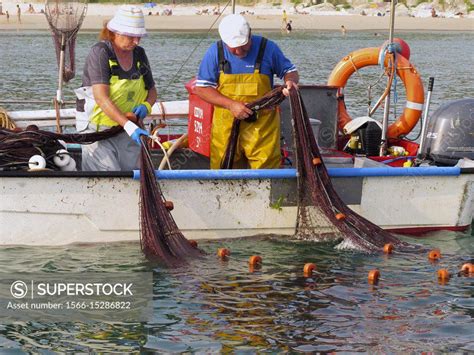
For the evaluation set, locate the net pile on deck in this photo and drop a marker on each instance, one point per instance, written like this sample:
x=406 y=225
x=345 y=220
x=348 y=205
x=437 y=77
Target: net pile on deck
x=322 y=215
x=160 y=237
x=17 y=147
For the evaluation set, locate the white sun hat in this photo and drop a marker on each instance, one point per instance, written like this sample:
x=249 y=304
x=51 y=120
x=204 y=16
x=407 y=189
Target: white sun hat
x=234 y=30
x=128 y=21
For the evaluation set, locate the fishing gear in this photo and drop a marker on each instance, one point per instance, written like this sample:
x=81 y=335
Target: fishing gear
x=322 y=215
x=64 y=17
x=267 y=102
x=17 y=148
x=160 y=237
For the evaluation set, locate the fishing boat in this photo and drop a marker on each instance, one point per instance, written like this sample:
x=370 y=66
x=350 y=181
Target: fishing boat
x=51 y=207
x=63 y=207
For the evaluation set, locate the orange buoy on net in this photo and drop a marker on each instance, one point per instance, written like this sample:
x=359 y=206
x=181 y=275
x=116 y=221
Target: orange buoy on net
x=169 y=205
x=467 y=269
x=316 y=161
x=434 y=255
x=308 y=269
x=443 y=275
x=388 y=248
x=373 y=276
x=223 y=253
x=340 y=216
x=193 y=243
x=255 y=260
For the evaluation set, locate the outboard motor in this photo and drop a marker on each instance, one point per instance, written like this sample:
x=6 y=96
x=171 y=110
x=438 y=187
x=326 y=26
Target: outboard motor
x=450 y=133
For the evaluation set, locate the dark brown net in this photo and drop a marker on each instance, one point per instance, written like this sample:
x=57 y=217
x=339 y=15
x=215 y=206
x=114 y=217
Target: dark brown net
x=16 y=148
x=65 y=18
x=160 y=237
x=322 y=215
x=267 y=102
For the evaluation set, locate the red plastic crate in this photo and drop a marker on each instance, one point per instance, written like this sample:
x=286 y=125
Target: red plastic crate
x=199 y=122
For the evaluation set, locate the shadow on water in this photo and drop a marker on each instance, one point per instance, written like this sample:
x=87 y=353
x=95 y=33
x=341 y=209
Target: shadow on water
x=213 y=305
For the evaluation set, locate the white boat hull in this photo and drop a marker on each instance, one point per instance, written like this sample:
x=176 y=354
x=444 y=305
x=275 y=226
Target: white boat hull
x=63 y=210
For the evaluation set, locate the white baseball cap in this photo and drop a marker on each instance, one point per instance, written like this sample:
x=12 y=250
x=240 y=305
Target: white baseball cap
x=128 y=21
x=234 y=30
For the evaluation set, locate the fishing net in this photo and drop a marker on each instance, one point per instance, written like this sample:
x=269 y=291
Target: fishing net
x=267 y=102
x=160 y=237
x=16 y=148
x=322 y=215
x=65 y=18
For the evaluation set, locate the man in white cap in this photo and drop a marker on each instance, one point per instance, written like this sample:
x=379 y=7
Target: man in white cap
x=237 y=70
x=117 y=79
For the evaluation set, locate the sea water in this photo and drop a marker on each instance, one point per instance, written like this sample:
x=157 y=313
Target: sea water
x=215 y=306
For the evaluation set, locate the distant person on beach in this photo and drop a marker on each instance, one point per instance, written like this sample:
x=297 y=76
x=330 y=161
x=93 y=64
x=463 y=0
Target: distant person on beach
x=8 y=16
x=237 y=70
x=18 y=13
x=433 y=12
x=284 y=19
x=31 y=9
x=289 y=28
x=117 y=75
x=343 y=30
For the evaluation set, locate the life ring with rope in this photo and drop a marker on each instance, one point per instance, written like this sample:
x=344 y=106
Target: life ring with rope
x=404 y=70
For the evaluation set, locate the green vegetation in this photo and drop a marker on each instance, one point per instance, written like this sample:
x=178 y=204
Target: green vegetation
x=277 y=204
x=470 y=5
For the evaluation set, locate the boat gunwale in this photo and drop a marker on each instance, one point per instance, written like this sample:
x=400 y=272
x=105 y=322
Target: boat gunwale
x=243 y=174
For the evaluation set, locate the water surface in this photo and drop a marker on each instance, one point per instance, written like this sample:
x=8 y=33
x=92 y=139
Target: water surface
x=213 y=306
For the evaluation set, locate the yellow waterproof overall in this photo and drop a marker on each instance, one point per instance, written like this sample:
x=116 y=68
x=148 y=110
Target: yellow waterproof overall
x=124 y=93
x=259 y=142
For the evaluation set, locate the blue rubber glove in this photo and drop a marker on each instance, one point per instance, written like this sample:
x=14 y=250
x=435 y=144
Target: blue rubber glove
x=135 y=132
x=140 y=111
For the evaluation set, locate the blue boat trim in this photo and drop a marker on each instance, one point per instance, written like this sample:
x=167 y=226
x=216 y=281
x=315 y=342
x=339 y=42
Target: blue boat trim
x=238 y=174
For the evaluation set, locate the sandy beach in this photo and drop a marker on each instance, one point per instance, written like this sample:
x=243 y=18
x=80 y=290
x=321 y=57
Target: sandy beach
x=261 y=17
x=261 y=22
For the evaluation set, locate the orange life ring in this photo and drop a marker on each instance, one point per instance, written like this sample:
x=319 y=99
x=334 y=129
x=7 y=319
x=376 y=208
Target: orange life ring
x=405 y=71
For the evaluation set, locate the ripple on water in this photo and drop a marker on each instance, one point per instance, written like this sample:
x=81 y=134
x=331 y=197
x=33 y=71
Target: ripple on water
x=215 y=306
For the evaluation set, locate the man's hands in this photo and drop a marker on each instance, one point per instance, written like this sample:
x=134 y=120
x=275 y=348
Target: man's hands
x=135 y=132
x=239 y=110
x=290 y=84
x=142 y=110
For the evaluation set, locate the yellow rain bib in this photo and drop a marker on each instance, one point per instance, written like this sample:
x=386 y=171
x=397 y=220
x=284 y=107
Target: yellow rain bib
x=258 y=145
x=124 y=93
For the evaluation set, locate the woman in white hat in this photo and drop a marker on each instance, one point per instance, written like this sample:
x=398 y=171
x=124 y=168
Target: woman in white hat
x=118 y=77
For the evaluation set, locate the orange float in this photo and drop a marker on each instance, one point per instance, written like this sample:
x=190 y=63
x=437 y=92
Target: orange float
x=316 y=161
x=374 y=276
x=443 y=275
x=340 y=216
x=388 y=248
x=434 y=255
x=223 y=253
x=255 y=260
x=308 y=269
x=406 y=72
x=193 y=243
x=468 y=269
x=169 y=205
